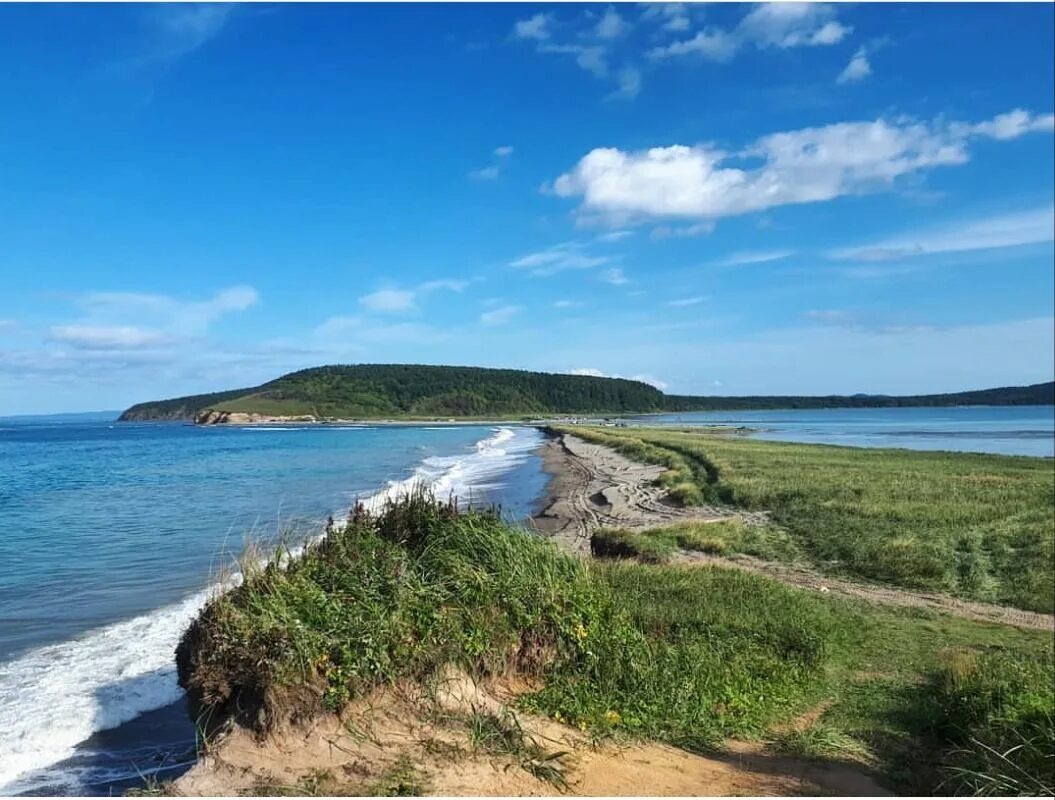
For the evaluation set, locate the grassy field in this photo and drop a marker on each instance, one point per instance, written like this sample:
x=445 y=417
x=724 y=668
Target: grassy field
x=680 y=654
x=976 y=526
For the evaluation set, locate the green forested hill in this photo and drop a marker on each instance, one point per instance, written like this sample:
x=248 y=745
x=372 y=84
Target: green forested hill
x=393 y=391
x=405 y=390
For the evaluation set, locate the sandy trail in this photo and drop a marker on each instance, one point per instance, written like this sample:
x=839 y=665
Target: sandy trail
x=594 y=486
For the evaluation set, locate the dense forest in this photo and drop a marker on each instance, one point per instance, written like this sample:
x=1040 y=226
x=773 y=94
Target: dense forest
x=373 y=391
x=403 y=390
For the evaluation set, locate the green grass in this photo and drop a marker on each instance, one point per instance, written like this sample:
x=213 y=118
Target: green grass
x=687 y=655
x=977 y=526
x=659 y=545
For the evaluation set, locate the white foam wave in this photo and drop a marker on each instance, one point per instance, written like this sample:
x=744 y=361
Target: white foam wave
x=55 y=697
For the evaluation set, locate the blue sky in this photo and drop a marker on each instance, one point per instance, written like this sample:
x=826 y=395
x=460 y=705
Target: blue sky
x=720 y=198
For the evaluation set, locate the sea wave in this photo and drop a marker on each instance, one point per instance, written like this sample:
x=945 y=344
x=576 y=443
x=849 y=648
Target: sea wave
x=55 y=697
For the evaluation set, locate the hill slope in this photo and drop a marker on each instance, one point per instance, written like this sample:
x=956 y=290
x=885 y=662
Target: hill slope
x=404 y=390
x=373 y=391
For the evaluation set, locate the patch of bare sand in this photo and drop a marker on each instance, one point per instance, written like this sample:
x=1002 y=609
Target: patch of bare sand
x=593 y=487
x=422 y=739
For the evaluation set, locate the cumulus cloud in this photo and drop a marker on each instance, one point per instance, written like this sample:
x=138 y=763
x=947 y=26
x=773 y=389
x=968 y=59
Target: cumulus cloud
x=593 y=372
x=858 y=69
x=1006 y=230
x=802 y=166
x=781 y=25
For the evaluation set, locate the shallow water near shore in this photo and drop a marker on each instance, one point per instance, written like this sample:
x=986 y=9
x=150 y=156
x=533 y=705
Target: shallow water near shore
x=114 y=535
x=1008 y=430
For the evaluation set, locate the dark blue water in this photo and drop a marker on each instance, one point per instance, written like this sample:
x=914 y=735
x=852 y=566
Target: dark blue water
x=1011 y=430
x=113 y=535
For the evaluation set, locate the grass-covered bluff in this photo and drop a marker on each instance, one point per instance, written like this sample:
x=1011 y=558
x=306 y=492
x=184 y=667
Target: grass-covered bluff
x=973 y=525
x=685 y=655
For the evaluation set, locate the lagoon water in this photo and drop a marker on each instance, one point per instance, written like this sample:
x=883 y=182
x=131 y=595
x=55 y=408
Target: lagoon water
x=113 y=535
x=1011 y=430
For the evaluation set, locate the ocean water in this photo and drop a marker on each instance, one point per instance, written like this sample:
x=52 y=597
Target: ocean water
x=114 y=535
x=1011 y=430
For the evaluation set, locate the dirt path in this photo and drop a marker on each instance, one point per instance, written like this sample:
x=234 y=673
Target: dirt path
x=593 y=487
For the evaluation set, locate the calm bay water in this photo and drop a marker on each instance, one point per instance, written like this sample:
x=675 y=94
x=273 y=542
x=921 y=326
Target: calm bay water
x=113 y=535
x=1012 y=430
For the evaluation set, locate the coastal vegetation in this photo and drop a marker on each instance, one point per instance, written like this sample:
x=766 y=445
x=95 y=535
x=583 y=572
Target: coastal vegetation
x=409 y=391
x=972 y=525
x=685 y=655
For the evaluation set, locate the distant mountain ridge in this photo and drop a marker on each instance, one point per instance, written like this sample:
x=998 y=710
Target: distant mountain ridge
x=407 y=391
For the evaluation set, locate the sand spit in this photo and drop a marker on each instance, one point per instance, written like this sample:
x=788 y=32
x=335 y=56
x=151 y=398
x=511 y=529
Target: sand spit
x=594 y=487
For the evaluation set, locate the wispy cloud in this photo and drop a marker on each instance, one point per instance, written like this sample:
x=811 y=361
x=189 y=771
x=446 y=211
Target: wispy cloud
x=392 y=299
x=558 y=258
x=687 y=301
x=500 y=157
x=1007 y=230
x=593 y=372
x=178 y=29
x=106 y=337
x=499 y=315
x=858 y=69
x=780 y=25
x=566 y=304
x=752 y=257
x=614 y=276
x=802 y=166
x=485 y=173
x=175 y=316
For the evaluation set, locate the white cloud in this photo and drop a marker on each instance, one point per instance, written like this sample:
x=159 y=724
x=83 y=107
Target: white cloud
x=858 y=68
x=485 y=174
x=673 y=17
x=1008 y=230
x=389 y=300
x=781 y=25
x=106 y=337
x=176 y=317
x=1014 y=124
x=564 y=304
x=682 y=231
x=450 y=284
x=611 y=25
x=614 y=236
x=752 y=257
x=629 y=80
x=504 y=151
x=593 y=60
x=593 y=372
x=184 y=27
x=801 y=166
x=499 y=315
x=558 y=258
x=615 y=277
x=687 y=301
x=536 y=27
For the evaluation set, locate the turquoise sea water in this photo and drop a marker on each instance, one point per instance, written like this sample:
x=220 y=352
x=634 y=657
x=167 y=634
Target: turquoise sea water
x=1012 y=430
x=113 y=534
